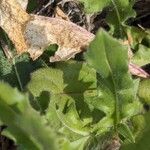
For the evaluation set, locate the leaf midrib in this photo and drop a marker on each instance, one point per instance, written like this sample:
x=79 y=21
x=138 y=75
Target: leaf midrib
x=115 y=89
x=118 y=17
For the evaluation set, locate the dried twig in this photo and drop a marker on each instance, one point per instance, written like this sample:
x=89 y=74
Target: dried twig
x=45 y=6
x=6 y=50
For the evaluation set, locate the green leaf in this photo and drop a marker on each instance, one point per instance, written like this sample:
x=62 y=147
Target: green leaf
x=44 y=100
x=79 y=144
x=45 y=80
x=69 y=84
x=143 y=91
x=146 y=40
x=132 y=109
x=142 y=56
x=21 y=65
x=116 y=87
x=138 y=123
x=24 y=124
x=143 y=141
x=126 y=132
x=92 y=6
x=32 y=5
x=121 y=11
x=135 y=35
x=75 y=145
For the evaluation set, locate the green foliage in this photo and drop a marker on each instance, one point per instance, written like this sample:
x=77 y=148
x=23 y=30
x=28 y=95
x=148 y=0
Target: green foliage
x=72 y=83
x=125 y=131
x=95 y=5
x=119 y=11
x=116 y=94
x=143 y=141
x=68 y=85
x=75 y=85
x=80 y=105
x=23 y=123
x=136 y=35
x=143 y=92
x=138 y=123
x=21 y=66
x=138 y=39
x=76 y=103
x=32 y=5
x=142 y=56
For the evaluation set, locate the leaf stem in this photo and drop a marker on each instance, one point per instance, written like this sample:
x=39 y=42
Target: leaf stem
x=118 y=17
x=17 y=74
x=14 y=63
x=43 y=63
x=117 y=115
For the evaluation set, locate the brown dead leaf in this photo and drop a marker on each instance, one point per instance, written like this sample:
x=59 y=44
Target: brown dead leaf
x=130 y=53
x=60 y=14
x=13 y=20
x=23 y=3
x=42 y=31
x=136 y=70
x=33 y=33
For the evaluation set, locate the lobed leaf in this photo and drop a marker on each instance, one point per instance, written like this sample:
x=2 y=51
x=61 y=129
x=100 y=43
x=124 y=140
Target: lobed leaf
x=69 y=85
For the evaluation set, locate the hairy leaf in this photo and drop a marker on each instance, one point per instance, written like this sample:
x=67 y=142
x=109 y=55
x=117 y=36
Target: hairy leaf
x=135 y=35
x=69 y=86
x=115 y=85
x=125 y=131
x=75 y=145
x=21 y=66
x=143 y=141
x=121 y=10
x=138 y=123
x=142 y=56
x=143 y=91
